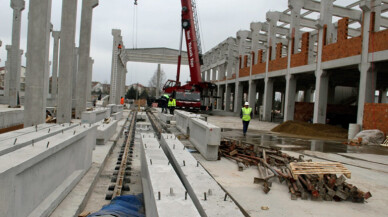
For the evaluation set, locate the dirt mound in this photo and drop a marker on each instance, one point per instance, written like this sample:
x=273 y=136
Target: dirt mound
x=313 y=130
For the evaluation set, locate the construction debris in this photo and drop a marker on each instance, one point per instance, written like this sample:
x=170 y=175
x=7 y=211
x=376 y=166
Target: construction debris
x=305 y=179
x=385 y=143
x=370 y=137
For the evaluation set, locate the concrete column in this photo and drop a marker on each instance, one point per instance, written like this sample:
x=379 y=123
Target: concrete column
x=252 y=94
x=208 y=72
x=307 y=95
x=158 y=82
x=38 y=44
x=272 y=18
x=114 y=79
x=15 y=61
x=84 y=55
x=238 y=97
x=321 y=93
x=7 y=71
x=367 y=76
x=220 y=100
x=66 y=60
x=74 y=77
x=384 y=98
x=290 y=98
x=230 y=57
x=295 y=6
x=89 y=80
x=227 y=97
x=214 y=74
x=123 y=80
x=268 y=98
x=203 y=75
x=54 y=76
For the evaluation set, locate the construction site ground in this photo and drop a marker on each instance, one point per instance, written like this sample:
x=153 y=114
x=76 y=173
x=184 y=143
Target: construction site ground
x=368 y=165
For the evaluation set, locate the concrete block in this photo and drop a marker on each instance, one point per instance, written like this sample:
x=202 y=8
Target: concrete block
x=182 y=120
x=110 y=107
x=198 y=181
x=117 y=108
x=21 y=140
x=117 y=115
x=105 y=132
x=35 y=179
x=94 y=116
x=166 y=118
x=160 y=179
x=141 y=116
x=205 y=137
x=11 y=117
x=23 y=131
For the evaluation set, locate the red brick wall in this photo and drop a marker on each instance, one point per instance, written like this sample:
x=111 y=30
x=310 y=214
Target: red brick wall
x=245 y=61
x=244 y=72
x=279 y=50
x=376 y=117
x=258 y=68
x=301 y=58
x=277 y=64
x=344 y=47
x=260 y=56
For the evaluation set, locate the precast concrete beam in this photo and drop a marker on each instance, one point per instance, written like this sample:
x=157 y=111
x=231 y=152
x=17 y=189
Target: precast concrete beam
x=84 y=55
x=95 y=116
x=182 y=119
x=205 y=137
x=105 y=131
x=205 y=192
x=15 y=140
x=23 y=173
x=66 y=60
x=164 y=193
x=38 y=43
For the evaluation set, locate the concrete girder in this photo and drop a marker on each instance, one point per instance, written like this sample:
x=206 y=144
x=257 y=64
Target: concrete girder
x=337 y=10
x=152 y=55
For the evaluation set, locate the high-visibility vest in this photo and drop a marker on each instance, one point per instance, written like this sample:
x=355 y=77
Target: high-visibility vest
x=122 y=101
x=246 y=114
x=166 y=95
x=171 y=103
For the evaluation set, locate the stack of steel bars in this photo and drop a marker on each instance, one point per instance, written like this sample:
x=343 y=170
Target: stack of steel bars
x=271 y=163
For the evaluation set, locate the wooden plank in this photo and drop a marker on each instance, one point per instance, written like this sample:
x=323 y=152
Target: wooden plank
x=318 y=168
x=84 y=214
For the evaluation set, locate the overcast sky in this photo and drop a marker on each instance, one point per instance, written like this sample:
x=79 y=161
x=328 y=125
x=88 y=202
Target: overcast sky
x=158 y=25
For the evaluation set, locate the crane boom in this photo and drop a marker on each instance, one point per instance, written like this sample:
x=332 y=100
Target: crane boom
x=190 y=26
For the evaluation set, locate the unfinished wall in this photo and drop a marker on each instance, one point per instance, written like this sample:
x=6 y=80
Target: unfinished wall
x=376 y=117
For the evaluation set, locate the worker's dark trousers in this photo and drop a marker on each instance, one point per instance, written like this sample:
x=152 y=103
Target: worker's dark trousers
x=171 y=110
x=245 y=126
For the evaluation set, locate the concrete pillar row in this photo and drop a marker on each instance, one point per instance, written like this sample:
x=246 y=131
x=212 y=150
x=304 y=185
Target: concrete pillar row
x=84 y=56
x=38 y=44
x=290 y=98
x=54 y=76
x=15 y=61
x=268 y=98
x=66 y=60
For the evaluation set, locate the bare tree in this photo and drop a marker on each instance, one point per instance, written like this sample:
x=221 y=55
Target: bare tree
x=153 y=81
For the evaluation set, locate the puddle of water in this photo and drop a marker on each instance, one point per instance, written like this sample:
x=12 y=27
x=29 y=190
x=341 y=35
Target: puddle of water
x=286 y=143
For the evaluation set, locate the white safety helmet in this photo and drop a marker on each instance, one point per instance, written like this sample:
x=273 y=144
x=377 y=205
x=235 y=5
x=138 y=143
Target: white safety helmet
x=246 y=103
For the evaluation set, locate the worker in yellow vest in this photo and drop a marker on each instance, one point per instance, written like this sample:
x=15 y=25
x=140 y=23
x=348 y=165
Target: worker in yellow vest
x=171 y=105
x=246 y=116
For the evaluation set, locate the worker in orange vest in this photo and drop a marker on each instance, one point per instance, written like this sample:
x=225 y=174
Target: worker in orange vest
x=122 y=101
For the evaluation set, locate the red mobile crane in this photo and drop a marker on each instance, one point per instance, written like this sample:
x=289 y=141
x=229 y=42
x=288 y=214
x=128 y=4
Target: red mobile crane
x=189 y=96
